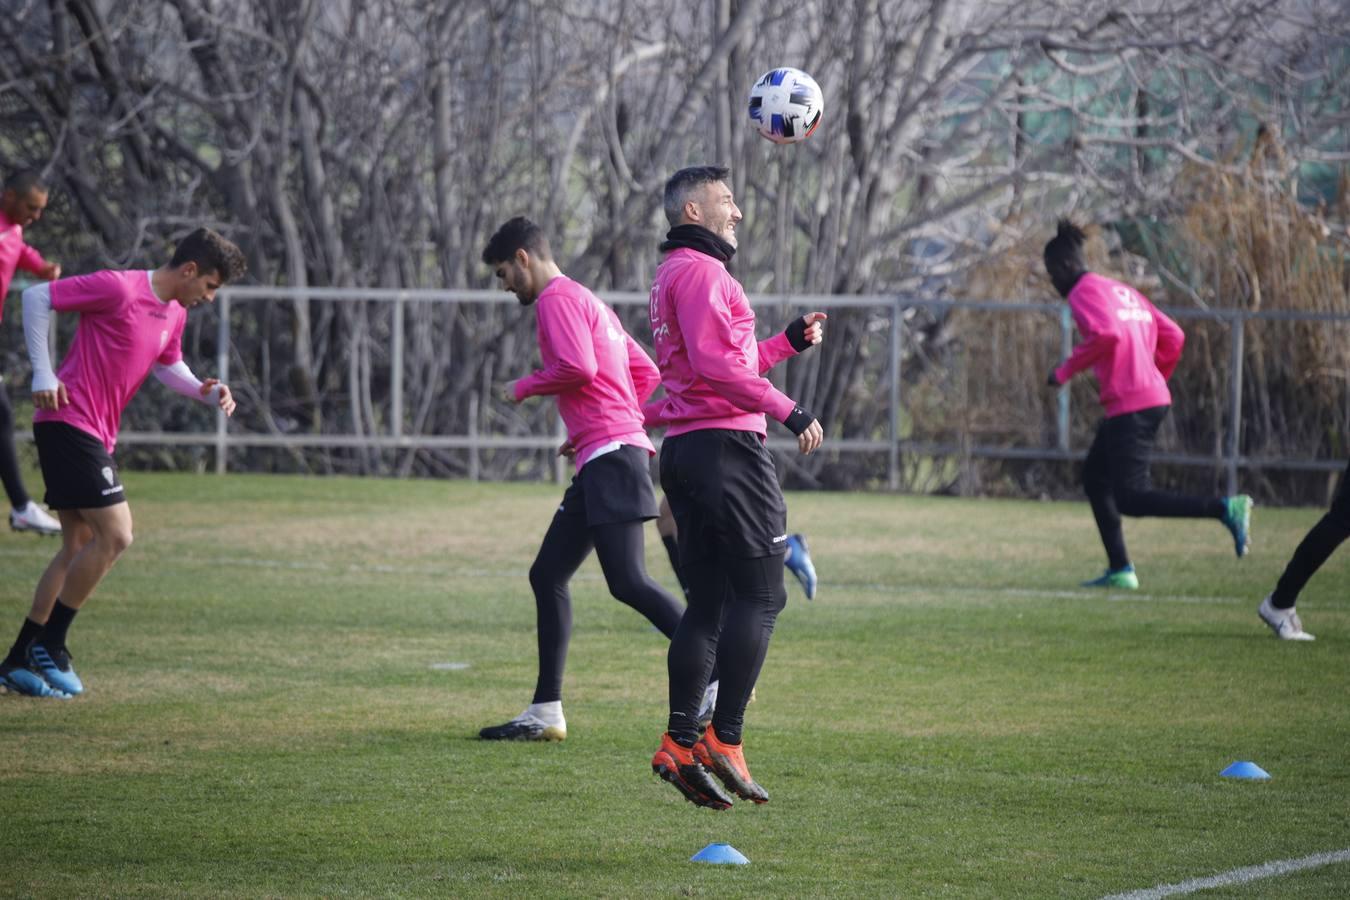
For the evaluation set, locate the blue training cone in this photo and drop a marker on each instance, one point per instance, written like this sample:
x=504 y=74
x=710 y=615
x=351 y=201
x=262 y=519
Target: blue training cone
x=1242 y=769
x=720 y=853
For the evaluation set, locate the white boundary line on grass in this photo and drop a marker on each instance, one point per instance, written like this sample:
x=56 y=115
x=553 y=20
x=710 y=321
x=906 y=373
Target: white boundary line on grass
x=1245 y=875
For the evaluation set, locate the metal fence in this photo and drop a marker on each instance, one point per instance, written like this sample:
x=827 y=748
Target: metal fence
x=1227 y=458
x=227 y=435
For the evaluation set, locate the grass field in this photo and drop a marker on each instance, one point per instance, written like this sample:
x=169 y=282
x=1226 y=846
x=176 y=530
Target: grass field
x=953 y=717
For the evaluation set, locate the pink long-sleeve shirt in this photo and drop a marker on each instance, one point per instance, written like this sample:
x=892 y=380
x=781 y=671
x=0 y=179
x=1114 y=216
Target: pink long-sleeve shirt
x=15 y=254
x=1130 y=345
x=711 y=364
x=123 y=332
x=596 y=370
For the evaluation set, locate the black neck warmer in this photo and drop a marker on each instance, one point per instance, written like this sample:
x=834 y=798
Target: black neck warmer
x=696 y=237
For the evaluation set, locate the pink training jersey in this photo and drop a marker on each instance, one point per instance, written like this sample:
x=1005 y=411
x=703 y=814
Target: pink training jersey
x=711 y=365
x=15 y=254
x=596 y=370
x=124 y=329
x=1131 y=346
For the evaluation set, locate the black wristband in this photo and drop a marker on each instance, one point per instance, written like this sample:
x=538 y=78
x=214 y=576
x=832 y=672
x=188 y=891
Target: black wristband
x=798 y=420
x=796 y=335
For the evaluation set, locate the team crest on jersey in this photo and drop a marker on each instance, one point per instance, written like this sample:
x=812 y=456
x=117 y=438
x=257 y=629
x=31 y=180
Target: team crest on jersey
x=108 y=474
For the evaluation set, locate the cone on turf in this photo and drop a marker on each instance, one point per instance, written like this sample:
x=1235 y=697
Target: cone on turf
x=720 y=853
x=1243 y=769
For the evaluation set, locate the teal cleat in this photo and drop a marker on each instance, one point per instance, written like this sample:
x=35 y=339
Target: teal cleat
x=1237 y=518
x=1119 y=579
x=55 y=668
x=798 y=562
x=17 y=680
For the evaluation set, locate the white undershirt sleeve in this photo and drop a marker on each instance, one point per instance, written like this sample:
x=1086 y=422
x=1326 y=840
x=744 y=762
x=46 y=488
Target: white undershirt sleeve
x=37 y=324
x=179 y=379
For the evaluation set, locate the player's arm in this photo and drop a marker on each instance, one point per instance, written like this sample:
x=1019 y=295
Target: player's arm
x=178 y=378
x=1097 y=341
x=48 y=392
x=565 y=328
x=646 y=376
x=30 y=260
x=1171 y=339
x=801 y=335
x=705 y=321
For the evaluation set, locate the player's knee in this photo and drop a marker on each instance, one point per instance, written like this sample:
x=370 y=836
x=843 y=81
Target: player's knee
x=116 y=541
x=542 y=576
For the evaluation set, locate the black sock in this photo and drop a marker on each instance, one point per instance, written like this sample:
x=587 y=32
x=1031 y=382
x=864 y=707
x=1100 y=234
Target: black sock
x=673 y=551
x=53 y=635
x=18 y=654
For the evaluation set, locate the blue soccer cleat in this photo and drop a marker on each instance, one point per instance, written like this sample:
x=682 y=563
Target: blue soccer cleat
x=1122 y=579
x=1237 y=518
x=55 y=668
x=798 y=562
x=17 y=680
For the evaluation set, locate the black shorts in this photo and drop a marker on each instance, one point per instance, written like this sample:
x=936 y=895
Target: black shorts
x=612 y=487
x=723 y=491
x=78 y=470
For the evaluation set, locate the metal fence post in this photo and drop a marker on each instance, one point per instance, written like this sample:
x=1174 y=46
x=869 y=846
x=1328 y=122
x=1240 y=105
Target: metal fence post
x=396 y=376
x=223 y=373
x=1232 y=444
x=893 y=461
x=1062 y=398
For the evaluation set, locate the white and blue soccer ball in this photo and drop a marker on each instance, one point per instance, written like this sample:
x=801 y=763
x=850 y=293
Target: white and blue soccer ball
x=786 y=105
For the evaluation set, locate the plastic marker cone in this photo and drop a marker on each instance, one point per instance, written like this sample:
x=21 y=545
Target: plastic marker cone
x=720 y=853
x=1245 y=770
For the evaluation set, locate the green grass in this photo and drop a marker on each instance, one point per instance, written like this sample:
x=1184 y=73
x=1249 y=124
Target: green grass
x=952 y=717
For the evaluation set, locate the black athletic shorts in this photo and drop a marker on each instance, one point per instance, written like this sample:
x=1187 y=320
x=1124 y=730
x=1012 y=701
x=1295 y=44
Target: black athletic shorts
x=723 y=491
x=79 y=471
x=612 y=487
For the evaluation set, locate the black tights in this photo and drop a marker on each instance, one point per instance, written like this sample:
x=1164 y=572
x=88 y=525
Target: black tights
x=619 y=548
x=1328 y=534
x=9 y=457
x=1115 y=477
x=733 y=605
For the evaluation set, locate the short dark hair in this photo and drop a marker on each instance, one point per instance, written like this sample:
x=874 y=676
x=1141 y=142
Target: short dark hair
x=516 y=234
x=685 y=182
x=212 y=252
x=25 y=180
x=1064 y=251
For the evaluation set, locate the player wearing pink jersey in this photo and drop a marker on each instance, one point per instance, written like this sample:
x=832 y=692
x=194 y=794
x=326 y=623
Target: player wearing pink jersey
x=720 y=480
x=130 y=326
x=1132 y=348
x=21 y=204
x=599 y=376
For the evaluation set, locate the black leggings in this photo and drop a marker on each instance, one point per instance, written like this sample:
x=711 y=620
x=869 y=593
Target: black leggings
x=1328 y=534
x=733 y=605
x=9 y=457
x=1115 y=478
x=619 y=548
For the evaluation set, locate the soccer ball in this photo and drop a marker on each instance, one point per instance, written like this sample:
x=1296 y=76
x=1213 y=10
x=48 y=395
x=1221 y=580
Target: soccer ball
x=786 y=105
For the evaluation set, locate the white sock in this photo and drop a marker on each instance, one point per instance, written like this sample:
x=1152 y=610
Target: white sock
x=549 y=713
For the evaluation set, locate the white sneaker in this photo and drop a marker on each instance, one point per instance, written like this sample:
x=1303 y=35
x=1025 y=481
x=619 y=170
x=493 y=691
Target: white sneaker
x=525 y=727
x=1284 y=622
x=33 y=518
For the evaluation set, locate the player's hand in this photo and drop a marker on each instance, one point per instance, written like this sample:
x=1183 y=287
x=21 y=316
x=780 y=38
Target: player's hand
x=567 y=450
x=54 y=399
x=50 y=272
x=810 y=439
x=1052 y=380
x=815 y=330
x=507 y=391
x=226 y=399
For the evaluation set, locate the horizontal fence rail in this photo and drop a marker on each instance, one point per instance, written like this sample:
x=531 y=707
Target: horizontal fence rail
x=227 y=436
